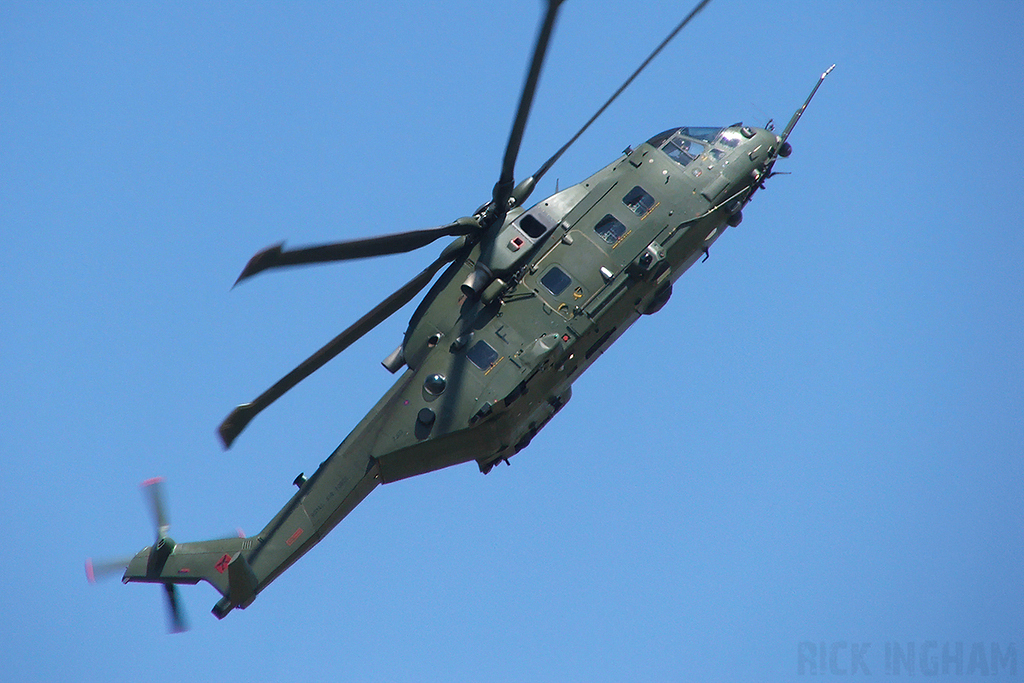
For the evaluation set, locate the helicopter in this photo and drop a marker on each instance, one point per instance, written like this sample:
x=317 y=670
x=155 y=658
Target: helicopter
x=527 y=299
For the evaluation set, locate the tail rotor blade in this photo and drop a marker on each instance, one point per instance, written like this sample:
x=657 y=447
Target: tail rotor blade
x=162 y=549
x=175 y=612
x=154 y=489
x=243 y=414
x=97 y=571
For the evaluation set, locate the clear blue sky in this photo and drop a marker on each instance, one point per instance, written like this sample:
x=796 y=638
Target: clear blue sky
x=818 y=440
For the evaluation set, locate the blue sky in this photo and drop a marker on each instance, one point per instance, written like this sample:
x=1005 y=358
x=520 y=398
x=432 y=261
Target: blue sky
x=818 y=440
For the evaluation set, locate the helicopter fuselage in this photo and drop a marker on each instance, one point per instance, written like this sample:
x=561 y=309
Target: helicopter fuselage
x=527 y=301
x=487 y=368
x=561 y=281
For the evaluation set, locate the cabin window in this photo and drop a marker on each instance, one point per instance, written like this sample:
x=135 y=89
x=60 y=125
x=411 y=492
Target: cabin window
x=482 y=355
x=610 y=229
x=639 y=201
x=555 y=280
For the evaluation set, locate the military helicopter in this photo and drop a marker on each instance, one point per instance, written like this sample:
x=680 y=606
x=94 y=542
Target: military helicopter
x=529 y=298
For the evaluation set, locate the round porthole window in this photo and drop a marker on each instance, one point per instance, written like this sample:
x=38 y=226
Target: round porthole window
x=435 y=385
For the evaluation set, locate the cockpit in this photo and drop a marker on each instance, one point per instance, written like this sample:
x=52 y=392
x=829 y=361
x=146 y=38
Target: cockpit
x=683 y=145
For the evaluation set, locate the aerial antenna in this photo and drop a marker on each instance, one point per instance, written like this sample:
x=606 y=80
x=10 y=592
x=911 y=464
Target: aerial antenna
x=800 y=111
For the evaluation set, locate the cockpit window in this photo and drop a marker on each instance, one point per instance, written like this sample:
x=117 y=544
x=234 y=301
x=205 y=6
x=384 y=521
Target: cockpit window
x=639 y=201
x=675 y=152
x=696 y=132
x=660 y=138
x=693 y=148
x=705 y=134
x=729 y=138
x=683 y=145
x=610 y=229
x=683 y=150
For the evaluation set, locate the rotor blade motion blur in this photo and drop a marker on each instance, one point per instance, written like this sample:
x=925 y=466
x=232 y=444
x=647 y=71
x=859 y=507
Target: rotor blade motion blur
x=154 y=489
x=243 y=414
x=154 y=557
x=178 y=623
x=382 y=245
x=503 y=188
x=95 y=571
x=679 y=27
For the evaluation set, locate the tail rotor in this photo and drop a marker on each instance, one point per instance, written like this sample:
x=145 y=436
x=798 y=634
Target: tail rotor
x=153 y=489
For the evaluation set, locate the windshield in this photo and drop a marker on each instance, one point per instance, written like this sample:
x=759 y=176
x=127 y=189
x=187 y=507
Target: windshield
x=683 y=150
x=695 y=132
x=705 y=134
x=730 y=138
x=684 y=145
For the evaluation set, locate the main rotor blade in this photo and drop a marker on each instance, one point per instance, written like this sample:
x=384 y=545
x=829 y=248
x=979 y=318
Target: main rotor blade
x=679 y=27
x=503 y=188
x=382 y=245
x=243 y=414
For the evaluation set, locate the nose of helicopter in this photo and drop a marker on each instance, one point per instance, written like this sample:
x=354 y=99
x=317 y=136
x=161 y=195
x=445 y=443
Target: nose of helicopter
x=760 y=147
x=749 y=154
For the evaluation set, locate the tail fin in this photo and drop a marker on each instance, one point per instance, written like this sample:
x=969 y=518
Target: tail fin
x=221 y=563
